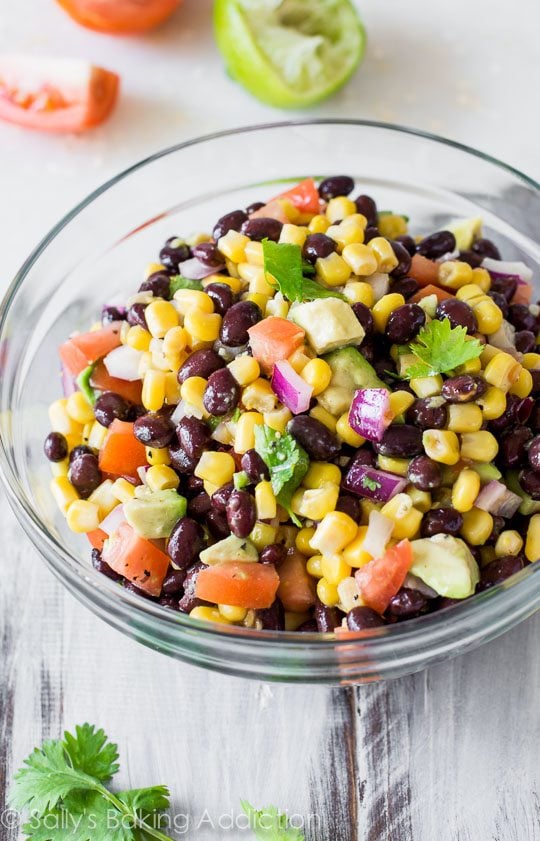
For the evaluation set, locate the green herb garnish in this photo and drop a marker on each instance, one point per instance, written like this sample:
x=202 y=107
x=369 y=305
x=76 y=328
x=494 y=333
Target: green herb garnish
x=240 y=480
x=370 y=484
x=236 y=415
x=178 y=282
x=284 y=262
x=441 y=348
x=287 y=462
x=270 y=825
x=83 y=383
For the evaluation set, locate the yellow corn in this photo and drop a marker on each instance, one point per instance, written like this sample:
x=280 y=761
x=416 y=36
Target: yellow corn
x=193 y=299
x=299 y=359
x=470 y=293
x=244 y=438
x=233 y=245
x=202 y=326
x=124 y=330
x=172 y=387
x=277 y=306
x=317 y=373
x=420 y=499
x=347 y=433
x=479 y=446
x=262 y=535
x=320 y=473
x=405 y=517
x=333 y=533
x=333 y=269
x=400 y=401
x=160 y=317
x=87 y=429
x=334 y=568
x=531 y=361
x=354 y=553
x=97 y=436
x=319 y=224
x=454 y=274
x=153 y=390
x=339 y=208
x=488 y=352
x=257 y=298
x=259 y=281
x=277 y=419
x=138 y=338
x=314 y=566
x=477 y=526
x=303 y=543
x=384 y=307
x=104 y=497
x=157 y=456
x=482 y=278
x=327 y=592
x=60 y=468
x=442 y=445
x=360 y=259
x=465 y=417
x=488 y=315
x=258 y=395
x=532 y=544
x=63 y=492
x=391 y=225
x=175 y=341
x=472 y=366
x=231 y=613
x=123 y=490
x=232 y=282
x=393 y=465
x=265 y=501
x=245 y=370
x=60 y=420
x=359 y=292
x=294 y=620
x=160 y=477
x=156 y=267
x=492 y=403
x=208 y=614
x=427 y=386
x=253 y=252
x=465 y=490
x=82 y=516
x=192 y=391
x=349 y=232
x=384 y=254
x=293 y=234
x=324 y=417
x=315 y=504
x=79 y=409
x=509 y=542
x=217 y=468
x=523 y=385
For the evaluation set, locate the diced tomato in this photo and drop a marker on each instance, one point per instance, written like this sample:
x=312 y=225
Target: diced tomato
x=272 y=210
x=424 y=271
x=425 y=291
x=523 y=294
x=137 y=559
x=381 y=579
x=55 y=94
x=81 y=350
x=121 y=453
x=304 y=196
x=119 y=17
x=296 y=586
x=238 y=583
x=274 y=339
x=97 y=538
x=102 y=380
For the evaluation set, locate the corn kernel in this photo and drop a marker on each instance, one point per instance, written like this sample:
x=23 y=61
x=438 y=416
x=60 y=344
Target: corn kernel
x=454 y=274
x=293 y=234
x=320 y=473
x=420 y=499
x=324 y=417
x=523 y=385
x=103 y=496
x=60 y=468
x=488 y=315
x=202 y=326
x=349 y=595
x=254 y=253
x=314 y=566
x=384 y=254
x=259 y=281
x=470 y=293
x=333 y=533
x=400 y=401
x=384 y=307
x=277 y=306
x=277 y=419
x=153 y=390
x=175 y=341
x=532 y=544
x=97 y=436
x=152 y=268
x=479 y=446
x=334 y=568
x=160 y=477
x=502 y=371
x=359 y=292
x=265 y=501
x=138 y=338
x=347 y=233
x=315 y=504
x=244 y=438
x=531 y=361
x=339 y=208
x=333 y=269
x=60 y=420
x=319 y=224
x=303 y=543
x=82 y=516
x=327 y=592
x=63 y=492
x=391 y=225
x=123 y=490
x=192 y=391
x=299 y=359
x=465 y=490
x=427 y=386
x=347 y=433
x=488 y=352
x=232 y=613
x=482 y=278
x=287 y=536
x=442 y=445
x=262 y=534
x=354 y=553
x=317 y=373
x=492 y=403
x=258 y=395
x=233 y=246
x=405 y=517
x=79 y=409
x=465 y=417
x=215 y=467
x=233 y=283
x=160 y=317
x=509 y=542
x=208 y=614
x=472 y=366
x=294 y=620
x=399 y=466
x=245 y=370
x=477 y=526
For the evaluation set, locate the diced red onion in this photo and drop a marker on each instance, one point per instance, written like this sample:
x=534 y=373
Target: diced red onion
x=507 y=268
x=195 y=269
x=69 y=385
x=290 y=388
x=378 y=534
x=370 y=414
x=123 y=363
x=371 y=483
x=495 y=498
x=412 y=582
x=113 y=520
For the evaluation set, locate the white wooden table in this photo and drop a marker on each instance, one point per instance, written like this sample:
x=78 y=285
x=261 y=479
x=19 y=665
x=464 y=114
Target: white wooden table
x=451 y=754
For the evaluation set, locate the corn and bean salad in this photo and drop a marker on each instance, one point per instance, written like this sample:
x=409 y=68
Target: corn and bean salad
x=308 y=420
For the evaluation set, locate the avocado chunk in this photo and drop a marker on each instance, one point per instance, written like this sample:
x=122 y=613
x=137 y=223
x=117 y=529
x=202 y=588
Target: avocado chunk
x=329 y=323
x=232 y=548
x=155 y=515
x=350 y=371
x=445 y=564
x=465 y=231
x=487 y=472
x=529 y=505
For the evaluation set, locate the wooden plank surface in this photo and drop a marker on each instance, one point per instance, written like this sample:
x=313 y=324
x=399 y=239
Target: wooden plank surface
x=450 y=754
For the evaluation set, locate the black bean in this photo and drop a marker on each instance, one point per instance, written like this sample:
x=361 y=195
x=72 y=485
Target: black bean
x=103 y=567
x=262 y=227
x=407 y=603
x=170 y=602
x=474 y=260
x=84 y=474
x=525 y=341
x=318 y=246
x=515 y=413
x=201 y=363
x=236 y=323
x=364 y=316
x=81 y=450
x=55 y=446
x=424 y=473
x=222 y=393
x=307 y=627
x=404 y=259
x=367 y=207
x=505 y=286
x=501 y=302
x=499 y=524
x=336 y=185
x=110 y=406
x=136 y=316
x=533 y=453
x=437 y=244
x=189 y=600
x=404 y=323
x=486 y=248
x=521 y=317
x=207 y=253
x=314 y=437
x=221 y=295
x=370 y=233
x=110 y=314
x=220 y=497
x=513 y=446
x=199 y=505
x=272 y=618
x=241 y=513
x=428 y=413
x=154 y=430
x=499 y=570
x=364 y=618
x=441 y=521
x=364 y=455
x=458 y=313
x=463 y=388
x=530 y=482
x=180 y=461
x=405 y=286
x=273 y=554
x=185 y=542
x=193 y=436
x=174 y=251
x=327 y=618
x=400 y=440
x=232 y=221
x=253 y=207
x=350 y=506
x=408 y=242
x=173 y=582
x=254 y=467
x=131 y=587
x=217 y=524
x=159 y=284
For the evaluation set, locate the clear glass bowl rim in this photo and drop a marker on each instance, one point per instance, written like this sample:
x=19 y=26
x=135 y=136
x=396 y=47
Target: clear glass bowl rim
x=493 y=608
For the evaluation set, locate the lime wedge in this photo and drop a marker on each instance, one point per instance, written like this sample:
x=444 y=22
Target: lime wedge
x=289 y=53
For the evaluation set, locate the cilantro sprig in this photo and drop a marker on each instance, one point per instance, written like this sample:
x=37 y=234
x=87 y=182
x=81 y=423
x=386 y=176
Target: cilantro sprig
x=284 y=262
x=286 y=461
x=269 y=824
x=178 y=282
x=441 y=348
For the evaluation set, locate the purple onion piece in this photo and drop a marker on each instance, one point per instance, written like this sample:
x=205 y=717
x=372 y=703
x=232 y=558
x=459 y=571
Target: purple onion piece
x=372 y=483
x=290 y=388
x=195 y=269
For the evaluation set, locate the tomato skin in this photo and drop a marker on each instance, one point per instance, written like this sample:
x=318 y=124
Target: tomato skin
x=128 y=389
x=430 y=289
x=238 y=583
x=296 y=586
x=121 y=453
x=424 y=271
x=83 y=349
x=523 y=294
x=304 y=196
x=57 y=95
x=381 y=579
x=137 y=559
x=119 y=17
x=97 y=538
x=273 y=210
x=274 y=339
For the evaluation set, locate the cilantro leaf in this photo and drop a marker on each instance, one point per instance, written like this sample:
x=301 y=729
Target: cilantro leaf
x=370 y=484
x=441 y=348
x=270 y=825
x=91 y=752
x=286 y=460
x=284 y=262
x=178 y=282
x=96 y=820
x=240 y=480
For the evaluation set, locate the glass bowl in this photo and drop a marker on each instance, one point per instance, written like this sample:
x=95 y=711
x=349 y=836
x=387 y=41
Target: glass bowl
x=101 y=248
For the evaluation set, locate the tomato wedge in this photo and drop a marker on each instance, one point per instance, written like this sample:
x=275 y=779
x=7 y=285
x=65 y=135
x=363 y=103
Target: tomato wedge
x=121 y=453
x=304 y=196
x=424 y=271
x=102 y=380
x=55 y=94
x=119 y=17
x=296 y=588
x=274 y=339
x=137 y=559
x=238 y=583
x=379 y=580
x=84 y=348
x=426 y=291
x=97 y=538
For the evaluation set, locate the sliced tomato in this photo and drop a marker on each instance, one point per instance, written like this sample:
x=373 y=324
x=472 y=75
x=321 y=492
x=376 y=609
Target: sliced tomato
x=296 y=586
x=83 y=349
x=121 y=453
x=523 y=294
x=304 y=196
x=102 y=380
x=55 y=94
x=119 y=17
x=426 y=291
x=97 y=538
x=381 y=579
x=424 y=271
x=137 y=559
x=273 y=210
x=238 y=583
x=274 y=339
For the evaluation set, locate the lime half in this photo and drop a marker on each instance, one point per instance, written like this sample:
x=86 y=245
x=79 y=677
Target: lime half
x=289 y=53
